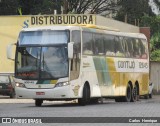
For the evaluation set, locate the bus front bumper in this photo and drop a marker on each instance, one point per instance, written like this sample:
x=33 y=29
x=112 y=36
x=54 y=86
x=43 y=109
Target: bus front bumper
x=53 y=93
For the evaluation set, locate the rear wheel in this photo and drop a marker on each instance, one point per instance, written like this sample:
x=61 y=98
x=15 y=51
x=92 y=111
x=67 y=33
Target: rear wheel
x=85 y=96
x=38 y=102
x=127 y=98
x=134 y=94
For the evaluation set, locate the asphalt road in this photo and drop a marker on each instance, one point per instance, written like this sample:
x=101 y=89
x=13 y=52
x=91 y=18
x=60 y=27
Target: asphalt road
x=109 y=108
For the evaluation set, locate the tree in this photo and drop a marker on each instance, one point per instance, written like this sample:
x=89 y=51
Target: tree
x=40 y=6
x=154 y=24
x=90 y=6
x=8 y=7
x=157 y=2
x=131 y=11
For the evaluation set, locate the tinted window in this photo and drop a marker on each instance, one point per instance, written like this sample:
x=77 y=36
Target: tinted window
x=98 y=44
x=4 y=79
x=76 y=38
x=119 y=47
x=129 y=46
x=144 y=48
x=87 y=43
x=109 y=45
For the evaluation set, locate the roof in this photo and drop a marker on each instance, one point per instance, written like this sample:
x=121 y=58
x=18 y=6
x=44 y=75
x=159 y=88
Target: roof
x=93 y=28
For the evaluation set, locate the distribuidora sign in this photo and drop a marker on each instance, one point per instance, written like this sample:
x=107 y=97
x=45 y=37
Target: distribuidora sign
x=33 y=21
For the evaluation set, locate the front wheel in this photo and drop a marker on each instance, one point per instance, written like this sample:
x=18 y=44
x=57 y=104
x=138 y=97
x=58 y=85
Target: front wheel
x=38 y=102
x=85 y=96
x=150 y=95
x=146 y=96
x=12 y=95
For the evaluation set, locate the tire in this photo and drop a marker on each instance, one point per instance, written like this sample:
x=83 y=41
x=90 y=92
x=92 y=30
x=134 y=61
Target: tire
x=85 y=96
x=150 y=95
x=127 y=98
x=146 y=96
x=12 y=95
x=134 y=94
x=38 y=102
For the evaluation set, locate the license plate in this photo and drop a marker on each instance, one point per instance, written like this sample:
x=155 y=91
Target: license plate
x=40 y=93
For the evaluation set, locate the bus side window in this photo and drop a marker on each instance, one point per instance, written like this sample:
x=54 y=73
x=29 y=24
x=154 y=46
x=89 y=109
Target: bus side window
x=76 y=38
x=136 y=48
x=98 y=44
x=75 y=62
x=127 y=53
x=87 y=43
x=144 y=48
x=129 y=46
x=109 y=45
x=119 y=47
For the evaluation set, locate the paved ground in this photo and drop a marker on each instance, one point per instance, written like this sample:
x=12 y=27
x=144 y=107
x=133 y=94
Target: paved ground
x=109 y=108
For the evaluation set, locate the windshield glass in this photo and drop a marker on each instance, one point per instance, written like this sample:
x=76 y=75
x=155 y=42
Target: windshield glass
x=48 y=62
x=54 y=62
x=4 y=79
x=43 y=37
x=28 y=62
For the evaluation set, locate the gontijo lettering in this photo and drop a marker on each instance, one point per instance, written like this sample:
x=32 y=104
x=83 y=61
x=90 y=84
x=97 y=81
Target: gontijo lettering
x=62 y=19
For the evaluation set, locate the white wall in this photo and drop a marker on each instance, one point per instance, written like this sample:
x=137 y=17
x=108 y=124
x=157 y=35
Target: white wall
x=124 y=27
x=155 y=75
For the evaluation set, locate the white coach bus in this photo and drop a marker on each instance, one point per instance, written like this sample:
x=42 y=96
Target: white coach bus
x=80 y=62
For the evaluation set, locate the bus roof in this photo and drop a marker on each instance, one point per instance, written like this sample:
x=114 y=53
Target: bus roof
x=55 y=27
x=90 y=28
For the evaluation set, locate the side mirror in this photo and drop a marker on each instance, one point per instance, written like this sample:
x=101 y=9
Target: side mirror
x=9 y=51
x=70 y=50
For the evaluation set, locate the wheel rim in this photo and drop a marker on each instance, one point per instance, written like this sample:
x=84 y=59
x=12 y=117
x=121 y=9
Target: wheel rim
x=134 y=93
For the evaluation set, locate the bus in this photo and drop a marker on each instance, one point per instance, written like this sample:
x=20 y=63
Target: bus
x=80 y=62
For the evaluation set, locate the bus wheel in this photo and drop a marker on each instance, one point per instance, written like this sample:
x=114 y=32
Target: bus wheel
x=38 y=102
x=134 y=94
x=146 y=96
x=85 y=96
x=150 y=95
x=127 y=98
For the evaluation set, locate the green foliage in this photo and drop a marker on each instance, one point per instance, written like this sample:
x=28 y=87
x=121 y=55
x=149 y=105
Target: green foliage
x=133 y=10
x=29 y=7
x=155 y=55
x=8 y=7
x=154 y=24
x=155 y=41
x=35 y=7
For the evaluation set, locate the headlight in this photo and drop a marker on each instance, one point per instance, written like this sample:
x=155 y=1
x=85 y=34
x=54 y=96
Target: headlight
x=20 y=85
x=60 y=84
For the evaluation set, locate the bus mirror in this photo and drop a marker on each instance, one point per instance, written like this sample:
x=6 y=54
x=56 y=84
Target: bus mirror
x=9 y=51
x=70 y=50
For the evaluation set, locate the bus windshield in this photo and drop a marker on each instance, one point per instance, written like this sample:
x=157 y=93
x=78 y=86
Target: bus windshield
x=43 y=37
x=48 y=62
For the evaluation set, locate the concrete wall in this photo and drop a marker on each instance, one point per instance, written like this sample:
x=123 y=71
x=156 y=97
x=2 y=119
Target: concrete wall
x=155 y=75
x=124 y=27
